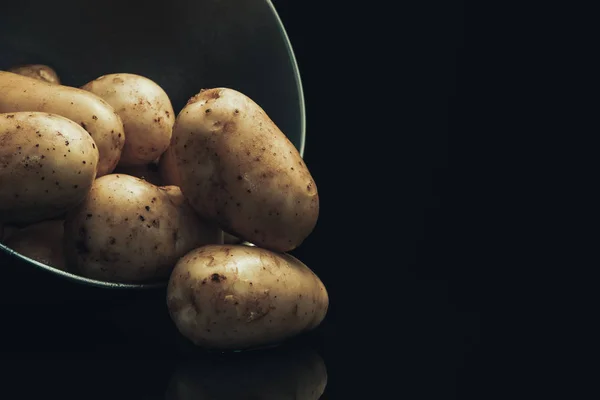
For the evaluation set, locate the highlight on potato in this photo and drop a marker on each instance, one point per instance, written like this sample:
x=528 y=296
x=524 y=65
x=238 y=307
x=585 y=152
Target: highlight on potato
x=108 y=183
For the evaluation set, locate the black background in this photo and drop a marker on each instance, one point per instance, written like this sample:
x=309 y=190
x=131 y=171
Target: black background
x=396 y=242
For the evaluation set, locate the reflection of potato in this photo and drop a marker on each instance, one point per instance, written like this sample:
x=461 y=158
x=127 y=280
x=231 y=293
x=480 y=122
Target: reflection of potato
x=276 y=374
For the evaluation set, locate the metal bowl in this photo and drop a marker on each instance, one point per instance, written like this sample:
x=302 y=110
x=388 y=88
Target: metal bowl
x=184 y=46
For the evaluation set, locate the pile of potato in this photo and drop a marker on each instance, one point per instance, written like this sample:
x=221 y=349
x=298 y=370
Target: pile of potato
x=107 y=182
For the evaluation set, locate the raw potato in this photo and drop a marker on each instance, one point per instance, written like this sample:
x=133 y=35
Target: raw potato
x=128 y=230
x=282 y=374
x=145 y=110
x=193 y=231
x=8 y=231
x=238 y=169
x=37 y=71
x=20 y=93
x=42 y=242
x=238 y=297
x=148 y=172
x=47 y=166
x=167 y=168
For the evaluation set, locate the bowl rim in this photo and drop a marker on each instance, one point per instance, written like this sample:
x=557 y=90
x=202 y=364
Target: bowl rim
x=297 y=77
x=116 y=285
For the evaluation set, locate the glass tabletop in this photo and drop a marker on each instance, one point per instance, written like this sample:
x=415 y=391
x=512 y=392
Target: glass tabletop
x=123 y=352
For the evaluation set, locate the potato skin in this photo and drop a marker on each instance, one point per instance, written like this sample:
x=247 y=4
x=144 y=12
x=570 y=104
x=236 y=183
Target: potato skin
x=145 y=110
x=42 y=242
x=128 y=230
x=167 y=168
x=40 y=72
x=147 y=172
x=238 y=168
x=238 y=297
x=193 y=230
x=47 y=166
x=6 y=231
x=282 y=374
x=20 y=93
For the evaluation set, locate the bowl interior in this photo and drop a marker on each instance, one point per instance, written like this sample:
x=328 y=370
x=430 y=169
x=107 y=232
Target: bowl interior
x=184 y=46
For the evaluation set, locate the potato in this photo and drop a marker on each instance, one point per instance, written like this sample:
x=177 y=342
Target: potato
x=20 y=93
x=128 y=230
x=282 y=374
x=238 y=169
x=167 y=168
x=47 y=166
x=238 y=297
x=37 y=71
x=147 y=172
x=145 y=110
x=6 y=231
x=42 y=242
x=192 y=229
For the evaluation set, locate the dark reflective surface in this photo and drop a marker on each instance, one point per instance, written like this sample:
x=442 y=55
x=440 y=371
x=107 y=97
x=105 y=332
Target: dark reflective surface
x=285 y=373
x=294 y=371
x=421 y=345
